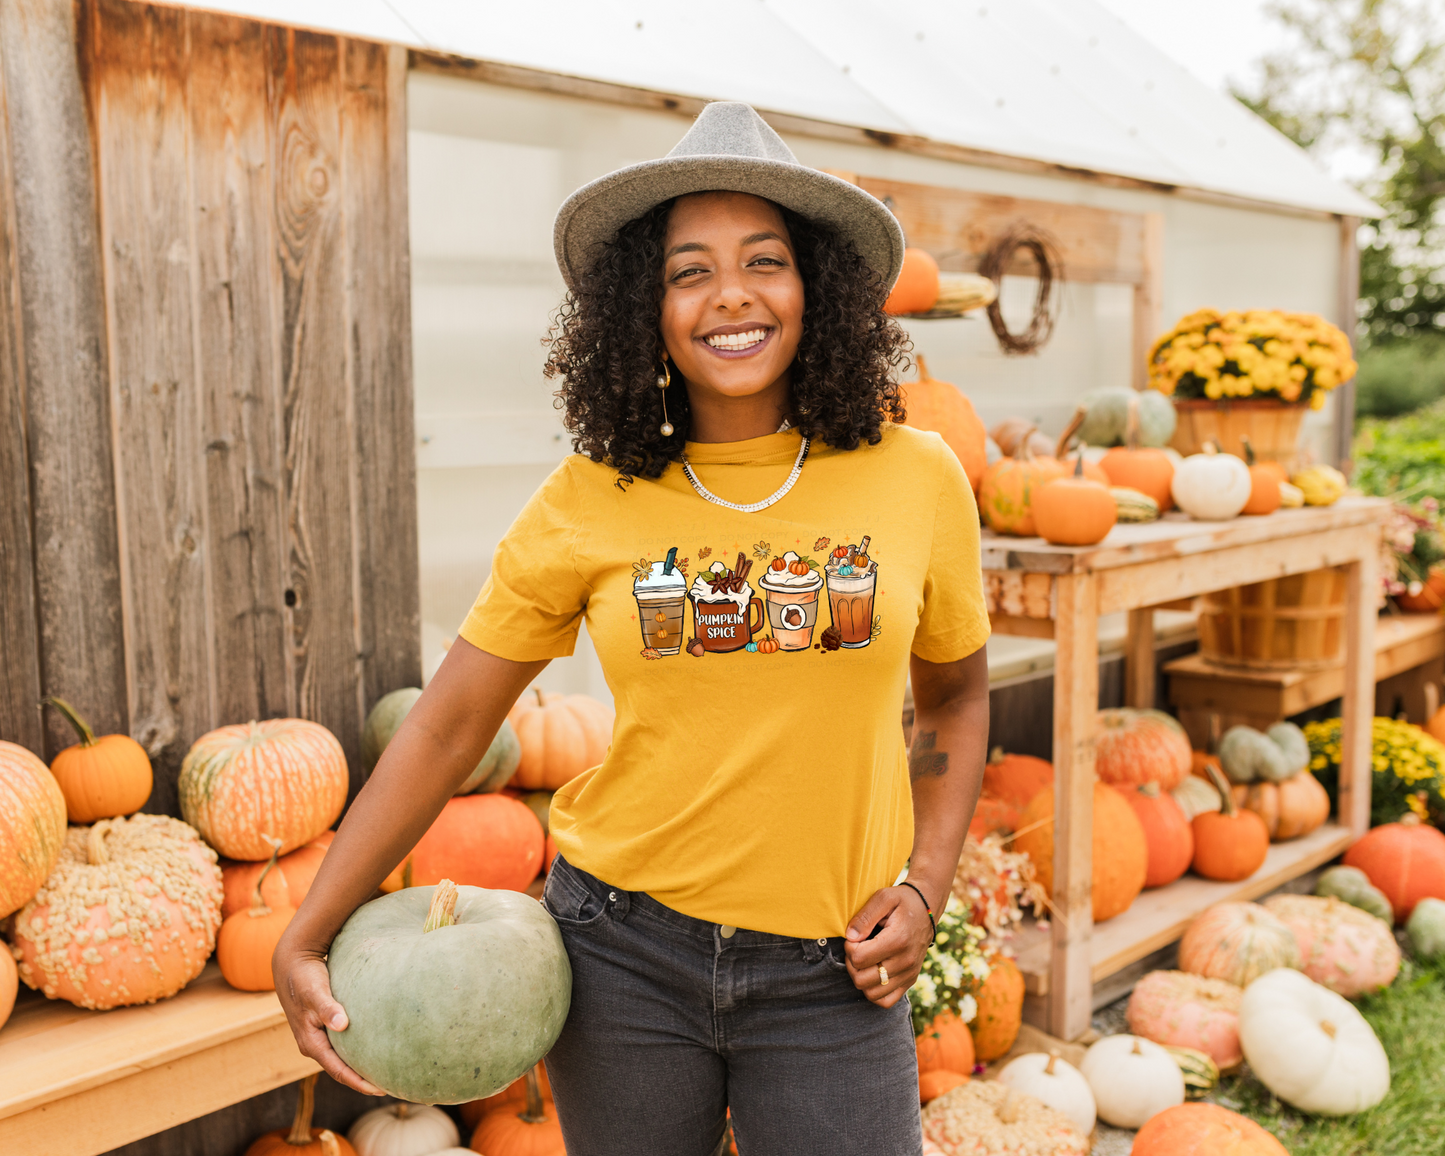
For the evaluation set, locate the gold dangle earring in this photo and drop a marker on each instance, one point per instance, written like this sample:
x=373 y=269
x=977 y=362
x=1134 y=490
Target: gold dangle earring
x=664 y=379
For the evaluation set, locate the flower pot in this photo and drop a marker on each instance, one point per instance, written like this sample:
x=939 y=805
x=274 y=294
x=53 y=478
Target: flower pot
x=1430 y=597
x=1272 y=426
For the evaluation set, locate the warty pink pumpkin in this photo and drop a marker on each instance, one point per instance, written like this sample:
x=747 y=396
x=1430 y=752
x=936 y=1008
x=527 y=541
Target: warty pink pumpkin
x=1237 y=942
x=1181 y=1010
x=1341 y=947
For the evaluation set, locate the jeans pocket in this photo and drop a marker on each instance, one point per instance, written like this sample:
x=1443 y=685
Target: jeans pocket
x=570 y=898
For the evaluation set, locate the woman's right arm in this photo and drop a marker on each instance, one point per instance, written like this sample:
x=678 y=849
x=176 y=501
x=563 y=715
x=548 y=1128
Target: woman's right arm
x=438 y=745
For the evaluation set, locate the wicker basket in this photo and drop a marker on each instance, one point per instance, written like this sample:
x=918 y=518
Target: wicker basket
x=1273 y=428
x=1283 y=623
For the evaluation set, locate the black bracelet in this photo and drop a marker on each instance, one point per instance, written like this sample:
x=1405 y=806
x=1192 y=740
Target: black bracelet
x=928 y=911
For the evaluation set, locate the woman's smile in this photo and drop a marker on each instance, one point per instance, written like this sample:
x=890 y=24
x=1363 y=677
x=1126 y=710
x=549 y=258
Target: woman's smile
x=737 y=341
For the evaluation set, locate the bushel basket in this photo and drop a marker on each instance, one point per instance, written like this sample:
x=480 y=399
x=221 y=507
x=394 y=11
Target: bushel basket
x=1282 y=623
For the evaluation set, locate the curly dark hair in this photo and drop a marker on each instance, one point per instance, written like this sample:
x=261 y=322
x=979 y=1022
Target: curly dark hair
x=606 y=346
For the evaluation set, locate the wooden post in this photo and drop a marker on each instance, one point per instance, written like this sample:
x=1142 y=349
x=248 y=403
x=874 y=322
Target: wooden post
x=1076 y=705
x=63 y=352
x=1349 y=295
x=1148 y=296
x=1358 y=708
x=1139 y=678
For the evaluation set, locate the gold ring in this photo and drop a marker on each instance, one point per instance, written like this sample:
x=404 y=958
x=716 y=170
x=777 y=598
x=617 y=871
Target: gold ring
x=882 y=975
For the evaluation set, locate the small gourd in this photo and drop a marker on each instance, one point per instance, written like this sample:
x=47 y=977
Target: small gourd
x=945 y=1044
x=1132 y=506
x=1354 y=887
x=1264 y=480
x=1320 y=485
x=1211 y=486
x=101 y=778
x=403 y=1130
x=301 y=1139
x=1426 y=928
x=1055 y=1082
x=1200 y=1072
x=1291 y=497
x=1132 y=1079
x=248 y=938
x=1074 y=511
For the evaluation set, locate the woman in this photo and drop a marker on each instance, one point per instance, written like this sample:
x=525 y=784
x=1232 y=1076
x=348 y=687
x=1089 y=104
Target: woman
x=762 y=557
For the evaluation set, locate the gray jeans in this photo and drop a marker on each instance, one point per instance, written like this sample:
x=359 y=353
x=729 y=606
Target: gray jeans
x=672 y=1025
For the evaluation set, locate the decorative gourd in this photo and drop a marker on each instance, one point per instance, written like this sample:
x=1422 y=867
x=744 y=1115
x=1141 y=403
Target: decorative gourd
x=1006 y=494
x=1167 y=833
x=479 y=841
x=1141 y=746
x=1211 y=486
x=1229 y=845
x=916 y=290
x=248 y=939
x=385 y=718
x=32 y=825
x=1426 y=928
x=1289 y=809
x=1200 y=1072
x=1132 y=1079
x=1055 y=1082
x=1238 y=943
x=534 y=1131
x=514 y=1095
x=1015 y=779
x=1321 y=485
x=561 y=735
x=1134 y=467
x=283 y=778
x=1204 y=1130
x=942 y=407
x=945 y=1044
x=1311 y=1047
x=1179 y=1009
x=933 y=1084
x=1346 y=949
x=1354 y=887
x=1246 y=754
x=1012 y=430
x=1290 y=497
x=1000 y=1010
x=497 y=986
x=403 y=1130
x=9 y=984
x=101 y=778
x=1264 y=480
x=1074 y=511
x=1132 y=506
x=1405 y=860
x=987 y=1116
x=301 y=1139
x=1121 y=856
x=286 y=886
x=1195 y=796
x=1103 y=416
x=146 y=886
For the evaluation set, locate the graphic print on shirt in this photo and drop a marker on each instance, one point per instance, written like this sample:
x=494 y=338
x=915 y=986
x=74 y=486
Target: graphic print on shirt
x=780 y=614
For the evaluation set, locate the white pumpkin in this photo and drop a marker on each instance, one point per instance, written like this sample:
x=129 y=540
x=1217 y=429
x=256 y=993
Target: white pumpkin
x=403 y=1129
x=1211 y=486
x=1311 y=1047
x=1132 y=1079
x=1055 y=1082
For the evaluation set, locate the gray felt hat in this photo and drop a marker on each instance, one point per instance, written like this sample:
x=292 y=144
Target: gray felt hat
x=728 y=148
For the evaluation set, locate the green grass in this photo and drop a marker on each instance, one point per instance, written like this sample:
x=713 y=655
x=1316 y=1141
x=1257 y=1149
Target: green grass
x=1409 y=1018
x=1400 y=376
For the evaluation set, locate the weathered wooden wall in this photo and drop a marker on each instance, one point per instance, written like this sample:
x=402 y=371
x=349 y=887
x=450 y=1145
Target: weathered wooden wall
x=209 y=512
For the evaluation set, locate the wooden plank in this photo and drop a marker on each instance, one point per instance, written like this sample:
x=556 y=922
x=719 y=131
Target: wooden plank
x=374 y=200
x=1148 y=297
x=1358 y=705
x=1347 y=318
x=1076 y=705
x=136 y=70
x=1012 y=594
x=1140 y=678
x=20 y=720
x=239 y=356
x=1021 y=627
x=67 y=401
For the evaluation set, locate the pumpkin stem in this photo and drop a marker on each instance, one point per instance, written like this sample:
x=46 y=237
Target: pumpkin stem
x=403 y=1109
x=305 y=1105
x=443 y=907
x=406 y=873
x=1079 y=461
x=1008 y=1110
x=1023 y=452
x=1053 y=1059
x=922 y=367
x=1328 y=1028
x=1409 y=819
x=996 y=755
x=95 y=852
x=1069 y=430
x=535 y=1111
x=540 y=700
x=329 y=1146
x=1136 y=1050
x=258 y=905
x=1149 y=790
x=1226 y=796
x=72 y=716
x=1248 y=449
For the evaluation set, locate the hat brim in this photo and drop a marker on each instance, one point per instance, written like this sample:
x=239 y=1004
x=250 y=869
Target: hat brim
x=591 y=216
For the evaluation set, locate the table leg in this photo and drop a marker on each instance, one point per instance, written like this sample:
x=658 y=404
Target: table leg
x=1139 y=678
x=1076 y=705
x=1358 y=707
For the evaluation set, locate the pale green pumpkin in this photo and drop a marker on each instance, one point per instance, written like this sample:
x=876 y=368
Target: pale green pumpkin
x=1246 y=755
x=1105 y=414
x=491 y=774
x=444 y=1012
x=1426 y=929
x=1353 y=886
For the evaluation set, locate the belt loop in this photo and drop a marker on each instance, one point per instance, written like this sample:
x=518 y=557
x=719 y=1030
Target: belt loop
x=811 y=951
x=619 y=903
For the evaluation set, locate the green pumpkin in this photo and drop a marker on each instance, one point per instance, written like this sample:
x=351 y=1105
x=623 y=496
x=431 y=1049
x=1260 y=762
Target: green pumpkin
x=1199 y=1070
x=1291 y=740
x=1106 y=416
x=491 y=774
x=1246 y=755
x=541 y=804
x=1353 y=886
x=1132 y=506
x=452 y=992
x=1426 y=929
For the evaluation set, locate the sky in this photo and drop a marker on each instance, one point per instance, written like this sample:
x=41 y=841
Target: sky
x=1222 y=48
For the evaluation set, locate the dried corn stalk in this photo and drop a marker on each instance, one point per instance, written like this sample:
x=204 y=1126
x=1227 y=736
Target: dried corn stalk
x=997 y=884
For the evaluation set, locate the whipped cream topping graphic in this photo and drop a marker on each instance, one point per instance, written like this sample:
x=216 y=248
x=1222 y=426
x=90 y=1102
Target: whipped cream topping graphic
x=785 y=579
x=657 y=584
x=704 y=594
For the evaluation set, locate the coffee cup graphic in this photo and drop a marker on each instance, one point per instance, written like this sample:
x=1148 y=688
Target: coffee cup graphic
x=725 y=612
x=661 y=594
x=792 y=601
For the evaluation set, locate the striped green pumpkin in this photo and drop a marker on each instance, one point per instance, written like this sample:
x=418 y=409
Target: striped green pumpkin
x=1134 y=506
x=1198 y=1068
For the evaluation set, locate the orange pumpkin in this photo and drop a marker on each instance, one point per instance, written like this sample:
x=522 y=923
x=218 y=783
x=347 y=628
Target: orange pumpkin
x=993 y=815
x=941 y=407
x=1016 y=779
x=1006 y=494
x=1204 y=1130
x=1000 y=1012
x=1167 y=833
x=301 y=1139
x=1430 y=597
x=945 y=1045
x=492 y=841
x=1074 y=511
x=1142 y=468
x=513 y=1096
x=933 y=1084
x=768 y=645
x=1120 y=853
x=286 y=886
x=32 y=825
x=549 y=853
x=1229 y=844
x=561 y=736
x=248 y=939
x=1134 y=747
x=283 y=778
x=534 y=1131
x=101 y=778
x=916 y=290
x=1264 y=480
x=9 y=985
x=1405 y=860
x=1289 y=809
x=1269 y=465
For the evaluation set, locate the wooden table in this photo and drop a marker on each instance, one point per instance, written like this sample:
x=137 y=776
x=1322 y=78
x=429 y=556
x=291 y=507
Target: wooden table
x=1059 y=591
x=76 y=1082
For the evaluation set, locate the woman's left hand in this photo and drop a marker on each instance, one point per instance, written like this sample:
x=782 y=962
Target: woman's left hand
x=902 y=940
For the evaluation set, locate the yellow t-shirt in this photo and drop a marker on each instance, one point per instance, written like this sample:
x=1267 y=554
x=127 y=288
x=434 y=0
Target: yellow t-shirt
x=758 y=776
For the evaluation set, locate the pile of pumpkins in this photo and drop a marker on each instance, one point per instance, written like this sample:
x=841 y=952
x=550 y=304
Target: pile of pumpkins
x=949 y=1049
x=258 y=800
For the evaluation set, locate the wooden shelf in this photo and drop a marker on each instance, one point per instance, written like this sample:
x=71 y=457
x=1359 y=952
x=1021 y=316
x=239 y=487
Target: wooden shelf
x=83 y=1082
x=1159 y=917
